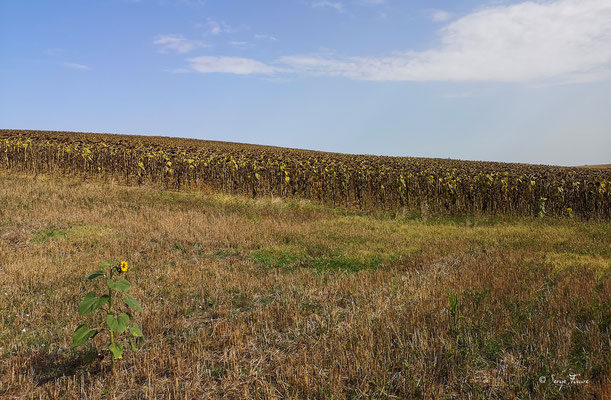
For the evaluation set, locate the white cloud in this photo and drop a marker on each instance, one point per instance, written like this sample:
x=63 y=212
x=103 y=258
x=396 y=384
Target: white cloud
x=266 y=37
x=342 y=6
x=337 y=6
x=53 y=52
x=238 y=43
x=72 y=65
x=558 y=41
x=564 y=40
x=440 y=15
x=372 y=2
x=216 y=28
x=229 y=65
x=177 y=43
x=178 y=70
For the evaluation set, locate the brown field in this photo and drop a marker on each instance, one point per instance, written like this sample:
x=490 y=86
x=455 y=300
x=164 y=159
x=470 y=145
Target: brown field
x=287 y=299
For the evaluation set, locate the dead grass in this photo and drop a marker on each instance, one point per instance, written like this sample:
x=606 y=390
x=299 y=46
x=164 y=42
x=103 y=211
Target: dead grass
x=287 y=299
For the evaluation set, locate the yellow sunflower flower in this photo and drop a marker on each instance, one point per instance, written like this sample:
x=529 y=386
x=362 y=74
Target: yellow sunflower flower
x=123 y=266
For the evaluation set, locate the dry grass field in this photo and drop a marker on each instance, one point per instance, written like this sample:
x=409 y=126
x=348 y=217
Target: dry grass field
x=286 y=299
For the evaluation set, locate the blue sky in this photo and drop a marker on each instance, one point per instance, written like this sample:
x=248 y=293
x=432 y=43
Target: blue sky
x=486 y=80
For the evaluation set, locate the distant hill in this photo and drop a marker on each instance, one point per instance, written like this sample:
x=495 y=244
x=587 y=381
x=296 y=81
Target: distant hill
x=599 y=166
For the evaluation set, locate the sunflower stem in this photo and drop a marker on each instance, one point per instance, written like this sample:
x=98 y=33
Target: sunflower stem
x=112 y=337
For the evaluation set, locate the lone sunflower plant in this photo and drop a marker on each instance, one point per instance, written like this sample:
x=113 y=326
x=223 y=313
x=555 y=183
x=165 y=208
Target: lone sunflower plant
x=119 y=315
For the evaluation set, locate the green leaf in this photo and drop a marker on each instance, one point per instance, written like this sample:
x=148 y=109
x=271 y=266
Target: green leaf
x=117 y=350
x=112 y=322
x=118 y=324
x=135 y=331
x=122 y=285
x=82 y=334
x=102 y=300
x=95 y=275
x=91 y=303
x=123 y=322
x=132 y=303
x=88 y=303
x=105 y=265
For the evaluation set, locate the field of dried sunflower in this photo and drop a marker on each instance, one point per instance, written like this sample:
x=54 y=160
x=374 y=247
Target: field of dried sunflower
x=426 y=186
x=287 y=298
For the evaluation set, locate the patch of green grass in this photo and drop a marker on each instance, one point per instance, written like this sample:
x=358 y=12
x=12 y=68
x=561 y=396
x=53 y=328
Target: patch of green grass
x=90 y=234
x=343 y=263
x=276 y=258
x=46 y=234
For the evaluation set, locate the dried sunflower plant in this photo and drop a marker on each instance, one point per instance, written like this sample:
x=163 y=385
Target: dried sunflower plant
x=119 y=315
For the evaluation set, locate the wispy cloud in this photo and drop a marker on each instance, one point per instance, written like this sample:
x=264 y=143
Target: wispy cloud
x=237 y=43
x=344 y=6
x=266 y=37
x=372 y=2
x=177 y=43
x=229 y=65
x=539 y=42
x=216 y=28
x=53 y=52
x=440 y=15
x=178 y=70
x=337 y=6
x=72 y=65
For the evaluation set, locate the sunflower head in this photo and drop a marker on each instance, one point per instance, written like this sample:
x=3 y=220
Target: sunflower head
x=123 y=266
